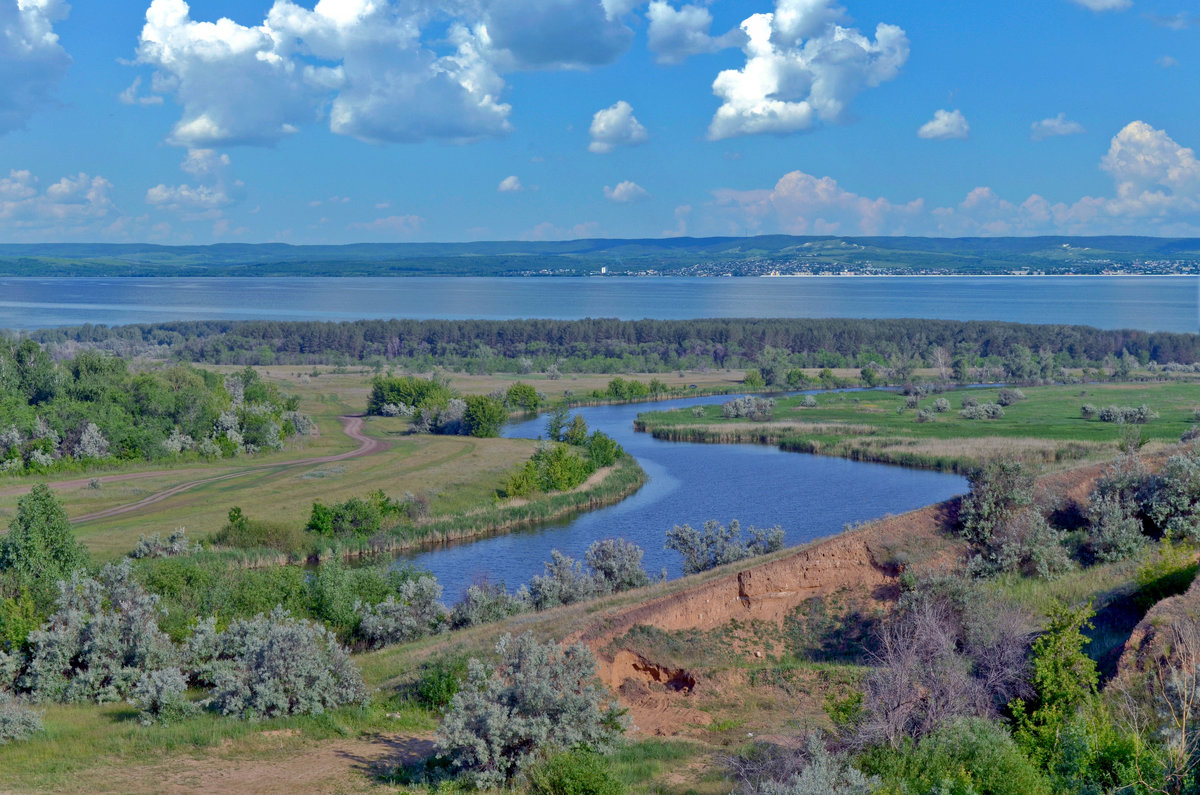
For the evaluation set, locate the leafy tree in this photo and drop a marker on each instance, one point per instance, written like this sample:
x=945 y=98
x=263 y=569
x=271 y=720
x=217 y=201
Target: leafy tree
x=522 y=396
x=40 y=548
x=556 y=422
x=484 y=416
x=1005 y=530
x=1063 y=678
x=539 y=698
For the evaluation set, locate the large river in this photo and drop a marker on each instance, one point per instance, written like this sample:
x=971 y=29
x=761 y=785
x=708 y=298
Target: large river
x=1152 y=303
x=809 y=496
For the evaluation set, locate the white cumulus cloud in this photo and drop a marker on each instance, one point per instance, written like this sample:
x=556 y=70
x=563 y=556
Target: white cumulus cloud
x=511 y=185
x=802 y=67
x=945 y=125
x=676 y=34
x=214 y=189
x=1156 y=191
x=1104 y=5
x=626 y=192
x=75 y=207
x=555 y=34
x=1056 y=125
x=31 y=59
x=616 y=126
x=361 y=61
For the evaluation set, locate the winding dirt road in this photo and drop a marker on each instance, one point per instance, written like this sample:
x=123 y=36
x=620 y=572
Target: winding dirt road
x=352 y=426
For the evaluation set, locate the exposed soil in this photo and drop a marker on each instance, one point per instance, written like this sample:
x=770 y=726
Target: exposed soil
x=867 y=560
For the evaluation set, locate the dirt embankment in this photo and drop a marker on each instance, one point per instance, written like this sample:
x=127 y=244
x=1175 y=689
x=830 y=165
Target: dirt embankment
x=866 y=561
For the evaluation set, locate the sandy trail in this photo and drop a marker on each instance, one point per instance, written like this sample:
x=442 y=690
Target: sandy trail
x=352 y=426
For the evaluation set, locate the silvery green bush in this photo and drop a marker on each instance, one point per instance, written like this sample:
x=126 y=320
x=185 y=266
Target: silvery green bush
x=279 y=665
x=484 y=603
x=413 y=612
x=17 y=720
x=160 y=697
x=539 y=698
x=823 y=774
x=157 y=547
x=99 y=642
x=717 y=544
x=617 y=564
x=565 y=582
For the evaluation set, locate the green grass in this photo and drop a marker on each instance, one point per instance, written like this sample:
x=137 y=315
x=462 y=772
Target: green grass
x=1047 y=427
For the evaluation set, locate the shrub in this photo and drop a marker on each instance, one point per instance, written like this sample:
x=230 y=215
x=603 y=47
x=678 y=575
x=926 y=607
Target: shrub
x=17 y=720
x=1127 y=415
x=941 y=405
x=412 y=613
x=565 y=582
x=1005 y=531
x=439 y=681
x=809 y=402
x=602 y=450
x=717 y=545
x=161 y=697
x=1088 y=411
x=617 y=564
x=1115 y=531
x=484 y=603
x=406 y=390
x=1008 y=397
x=573 y=773
x=172 y=546
x=1174 y=505
x=969 y=756
x=925 y=415
x=538 y=699
x=103 y=637
x=969 y=402
x=822 y=773
x=276 y=665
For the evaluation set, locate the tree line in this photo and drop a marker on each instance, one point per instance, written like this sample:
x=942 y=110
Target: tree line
x=611 y=345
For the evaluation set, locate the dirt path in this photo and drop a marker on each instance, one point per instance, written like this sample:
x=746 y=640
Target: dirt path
x=352 y=426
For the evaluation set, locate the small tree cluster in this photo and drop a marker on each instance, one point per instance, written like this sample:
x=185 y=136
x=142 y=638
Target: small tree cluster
x=715 y=545
x=613 y=565
x=1126 y=415
x=1006 y=531
x=753 y=408
x=984 y=411
x=157 y=547
x=413 y=612
x=539 y=698
x=484 y=603
x=1008 y=397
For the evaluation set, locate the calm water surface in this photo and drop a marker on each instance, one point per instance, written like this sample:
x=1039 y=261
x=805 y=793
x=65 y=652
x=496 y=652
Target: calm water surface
x=809 y=496
x=1151 y=303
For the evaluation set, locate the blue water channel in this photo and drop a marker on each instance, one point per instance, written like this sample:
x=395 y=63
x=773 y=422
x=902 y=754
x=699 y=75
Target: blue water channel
x=809 y=496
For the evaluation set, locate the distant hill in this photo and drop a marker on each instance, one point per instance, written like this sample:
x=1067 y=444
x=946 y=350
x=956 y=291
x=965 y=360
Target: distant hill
x=685 y=256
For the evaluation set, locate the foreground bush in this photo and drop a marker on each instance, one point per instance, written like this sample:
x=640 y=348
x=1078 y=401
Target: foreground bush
x=971 y=756
x=275 y=665
x=539 y=698
x=717 y=545
x=573 y=773
x=412 y=613
x=17 y=720
x=101 y=640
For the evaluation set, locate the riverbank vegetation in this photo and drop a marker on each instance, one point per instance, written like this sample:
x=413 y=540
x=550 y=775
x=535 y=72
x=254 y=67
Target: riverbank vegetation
x=948 y=430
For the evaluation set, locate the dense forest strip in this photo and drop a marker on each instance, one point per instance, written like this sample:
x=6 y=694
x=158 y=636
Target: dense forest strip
x=611 y=345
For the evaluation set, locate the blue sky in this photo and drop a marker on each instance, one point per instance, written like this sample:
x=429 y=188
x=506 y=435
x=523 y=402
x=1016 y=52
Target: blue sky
x=395 y=120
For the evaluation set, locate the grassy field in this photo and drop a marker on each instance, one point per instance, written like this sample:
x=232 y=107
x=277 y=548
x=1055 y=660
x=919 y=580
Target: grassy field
x=1045 y=428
